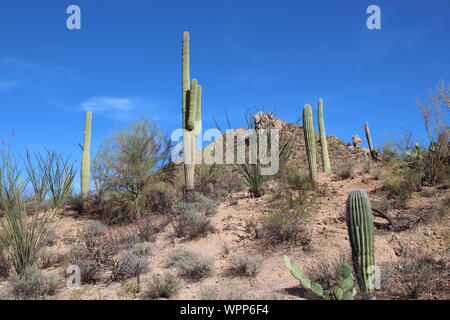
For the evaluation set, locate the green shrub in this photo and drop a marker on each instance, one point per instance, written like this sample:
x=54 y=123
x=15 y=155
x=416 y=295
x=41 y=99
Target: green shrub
x=128 y=163
x=201 y=204
x=245 y=265
x=165 y=285
x=131 y=263
x=191 y=265
x=32 y=284
x=191 y=224
x=90 y=268
x=346 y=169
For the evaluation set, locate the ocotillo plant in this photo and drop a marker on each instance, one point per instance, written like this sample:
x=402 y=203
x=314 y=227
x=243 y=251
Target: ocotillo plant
x=369 y=140
x=86 y=159
x=323 y=139
x=192 y=121
x=360 y=231
x=310 y=142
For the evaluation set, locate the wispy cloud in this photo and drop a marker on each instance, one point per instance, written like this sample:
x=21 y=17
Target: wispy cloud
x=118 y=108
x=8 y=85
x=108 y=104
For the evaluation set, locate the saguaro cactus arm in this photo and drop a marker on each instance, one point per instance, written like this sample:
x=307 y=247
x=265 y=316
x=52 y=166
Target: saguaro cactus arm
x=360 y=230
x=323 y=139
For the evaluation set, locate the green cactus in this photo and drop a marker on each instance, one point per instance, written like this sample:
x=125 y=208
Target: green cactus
x=192 y=119
x=360 y=230
x=323 y=139
x=86 y=159
x=343 y=291
x=310 y=143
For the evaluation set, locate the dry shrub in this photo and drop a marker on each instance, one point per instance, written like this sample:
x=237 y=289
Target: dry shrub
x=191 y=224
x=32 y=284
x=346 y=169
x=411 y=277
x=165 y=285
x=245 y=265
x=191 y=265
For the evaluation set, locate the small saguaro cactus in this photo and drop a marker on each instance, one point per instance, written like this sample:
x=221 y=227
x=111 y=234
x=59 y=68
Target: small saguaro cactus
x=86 y=159
x=360 y=231
x=192 y=119
x=310 y=141
x=323 y=139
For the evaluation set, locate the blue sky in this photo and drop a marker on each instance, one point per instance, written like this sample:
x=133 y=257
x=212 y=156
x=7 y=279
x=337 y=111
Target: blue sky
x=125 y=62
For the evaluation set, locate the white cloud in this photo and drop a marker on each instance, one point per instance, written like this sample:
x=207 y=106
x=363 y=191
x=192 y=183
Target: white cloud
x=8 y=85
x=104 y=104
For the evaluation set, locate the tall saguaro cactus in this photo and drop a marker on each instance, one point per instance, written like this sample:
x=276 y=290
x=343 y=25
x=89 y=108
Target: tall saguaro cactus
x=86 y=159
x=310 y=143
x=192 y=121
x=323 y=139
x=360 y=231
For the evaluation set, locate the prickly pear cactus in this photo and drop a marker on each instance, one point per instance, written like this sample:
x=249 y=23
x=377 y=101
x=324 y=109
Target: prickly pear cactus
x=86 y=159
x=323 y=139
x=360 y=230
x=343 y=291
x=310 y=142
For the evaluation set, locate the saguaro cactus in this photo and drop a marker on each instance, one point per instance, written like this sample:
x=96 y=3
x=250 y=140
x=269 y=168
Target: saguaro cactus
x=323 y=139
x=360 y=231
x=310 y=143
x=369 y=140
x=86 y=159
x=192 y=120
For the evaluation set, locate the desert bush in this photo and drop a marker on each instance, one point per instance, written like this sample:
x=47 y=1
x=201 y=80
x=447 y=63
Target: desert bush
x=201 y=204
x=436 y=159
x=148 y=227
x=285 y=227
x=131 y=263
x=51 y=237
x=327 y=271
x=90 y=268
x=161 y=198
x=165 y=285
x=22 y=237
x=401 y=182
x=346 y=169
x=128 y=163
x=229 y=290
x=191 y=224
x=32 y=284
x=76 y=203
x=295 y=179
x=208 y=174
x=409 y=278
x=191 y=265
x=252 y=172
x=245 y=265
x=47 y=259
